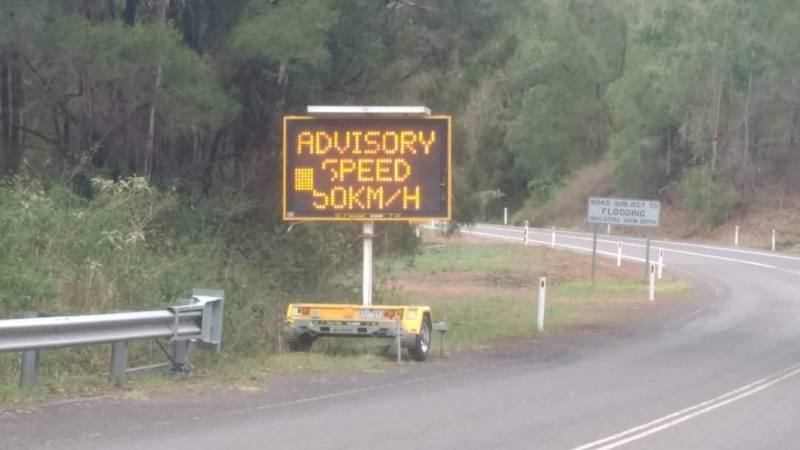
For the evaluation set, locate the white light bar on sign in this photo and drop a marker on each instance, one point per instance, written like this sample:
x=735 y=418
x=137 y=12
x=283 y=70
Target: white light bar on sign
x=370 y=110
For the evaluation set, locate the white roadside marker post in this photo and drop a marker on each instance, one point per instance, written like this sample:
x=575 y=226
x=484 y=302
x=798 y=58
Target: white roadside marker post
x=660 y=263
x=553 y=238
x=525 y=233
x=416 y=231
x=505 y=216
x=540 y=313
x=736 y=237
x=619 y=253
x=773 y=240
x=608 y=230
x=652 y=282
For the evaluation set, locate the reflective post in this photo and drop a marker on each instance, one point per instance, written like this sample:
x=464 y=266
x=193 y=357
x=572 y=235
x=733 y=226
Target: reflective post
x=660 y=263
x=525 y=233
x=553 y=238
x=619 y=253
x=652 y=282
x=736 y=237
x=773 y=240
x=540 y=309
x=505 y=216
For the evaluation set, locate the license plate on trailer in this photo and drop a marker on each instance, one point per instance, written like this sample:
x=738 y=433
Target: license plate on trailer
x=371 y=314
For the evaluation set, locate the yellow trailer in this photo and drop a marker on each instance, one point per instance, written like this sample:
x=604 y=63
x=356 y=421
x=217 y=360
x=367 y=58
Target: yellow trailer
x=305 y=322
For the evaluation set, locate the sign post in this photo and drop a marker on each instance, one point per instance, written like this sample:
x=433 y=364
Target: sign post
x=368 y=234
x=647 y=256
x=594 y=251
x=621 y=211
x=367 y=164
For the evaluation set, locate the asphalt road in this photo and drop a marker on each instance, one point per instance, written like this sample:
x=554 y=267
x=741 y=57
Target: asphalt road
x=721 y=373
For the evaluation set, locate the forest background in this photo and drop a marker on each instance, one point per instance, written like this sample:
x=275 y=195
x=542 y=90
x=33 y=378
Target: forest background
x=140 y=139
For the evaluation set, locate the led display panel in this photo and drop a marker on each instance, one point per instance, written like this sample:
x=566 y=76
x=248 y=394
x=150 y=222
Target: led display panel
x=366 y=168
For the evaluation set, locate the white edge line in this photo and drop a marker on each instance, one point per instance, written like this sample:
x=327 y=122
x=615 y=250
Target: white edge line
x=718 y=402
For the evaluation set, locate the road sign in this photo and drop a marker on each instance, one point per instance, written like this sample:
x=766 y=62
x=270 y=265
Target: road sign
x=366 y=168
x=622 y=211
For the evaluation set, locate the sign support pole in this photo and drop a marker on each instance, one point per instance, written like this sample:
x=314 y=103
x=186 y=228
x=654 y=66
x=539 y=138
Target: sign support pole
x=594 y=252
x=368 y=235
x=647 y=258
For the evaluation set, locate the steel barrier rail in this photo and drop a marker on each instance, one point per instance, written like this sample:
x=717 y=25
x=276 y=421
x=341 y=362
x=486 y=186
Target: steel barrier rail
x=53 y=332
x=197 y=320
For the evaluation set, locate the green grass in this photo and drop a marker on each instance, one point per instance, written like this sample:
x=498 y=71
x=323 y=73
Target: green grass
x=609 y=288
x=471 y=258
x=495 y=315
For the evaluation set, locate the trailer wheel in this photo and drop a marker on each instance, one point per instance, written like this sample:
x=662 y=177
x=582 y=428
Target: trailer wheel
x=301 y=343
x=422 y=344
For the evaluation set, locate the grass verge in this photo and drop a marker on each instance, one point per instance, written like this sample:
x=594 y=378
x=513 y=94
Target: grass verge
x=486 y=291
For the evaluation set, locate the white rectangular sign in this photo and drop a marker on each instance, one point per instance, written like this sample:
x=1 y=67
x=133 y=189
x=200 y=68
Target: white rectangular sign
x=623 y=211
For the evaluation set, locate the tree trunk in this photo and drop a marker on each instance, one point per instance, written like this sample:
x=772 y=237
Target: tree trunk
x=5 y=106
x=716 y=131
x=130 y=12
x=149 y=154
x=746 y=153
x=12 y=97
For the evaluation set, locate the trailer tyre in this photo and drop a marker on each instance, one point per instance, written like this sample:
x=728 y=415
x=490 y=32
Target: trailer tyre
x=422 y=344
x=301 y=343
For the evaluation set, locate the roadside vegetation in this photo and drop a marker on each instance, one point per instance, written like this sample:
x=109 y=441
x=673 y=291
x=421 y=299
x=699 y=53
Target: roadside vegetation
x=140 y=144
x=485 y=291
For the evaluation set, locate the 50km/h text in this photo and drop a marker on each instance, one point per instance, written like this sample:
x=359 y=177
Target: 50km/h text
x=370 y=169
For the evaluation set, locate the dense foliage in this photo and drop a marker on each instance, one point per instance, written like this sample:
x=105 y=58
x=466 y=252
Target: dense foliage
x=183 y=98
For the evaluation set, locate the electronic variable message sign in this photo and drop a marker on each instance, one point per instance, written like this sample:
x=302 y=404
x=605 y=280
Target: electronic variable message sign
x=366 y=168
x=624 y=211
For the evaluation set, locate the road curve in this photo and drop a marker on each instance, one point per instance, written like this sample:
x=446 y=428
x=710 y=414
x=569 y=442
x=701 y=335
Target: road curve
x=725 y=374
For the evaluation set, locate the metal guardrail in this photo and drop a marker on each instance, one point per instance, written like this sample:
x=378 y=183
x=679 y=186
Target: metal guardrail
x=197 y=321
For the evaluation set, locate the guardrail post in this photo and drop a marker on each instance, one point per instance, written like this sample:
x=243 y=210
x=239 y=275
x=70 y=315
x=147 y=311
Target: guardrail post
x=180 y=356
x=119 y=363
x=540 y=309
x=29 y=361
